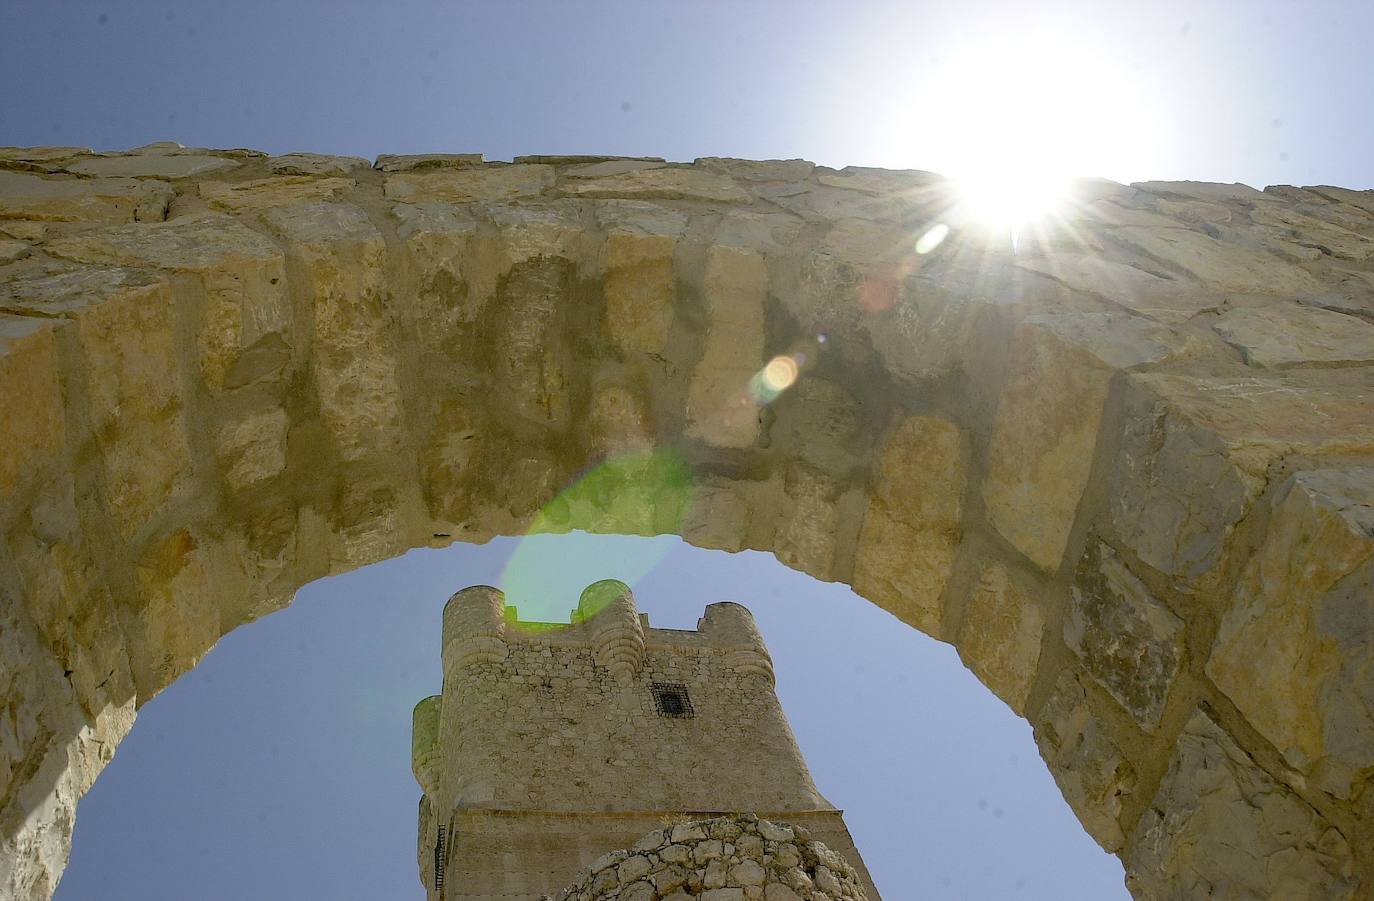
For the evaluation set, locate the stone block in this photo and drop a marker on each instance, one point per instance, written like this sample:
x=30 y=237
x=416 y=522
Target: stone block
x=1296 y=648
x=30 y=398
x=243 y=330
x=152 y=165
x=467 y=185
x=1086 y=759
x=25 y=196
x=720 y=408
x=914 y=521
x=640 y=287
x=264 y=193
x=1128 y=641
x=355 y=364
x=660 y=183
x=1049 y=417
x=1229 y=266
x=1221 y=827
x=1001 y=632
x=252 y=448
x=314 y=164
x=1195 y=452
x=1287 y=334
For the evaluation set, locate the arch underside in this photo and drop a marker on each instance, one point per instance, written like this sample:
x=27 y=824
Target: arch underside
x=1125 y=470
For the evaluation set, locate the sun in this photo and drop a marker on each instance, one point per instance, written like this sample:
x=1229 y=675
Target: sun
x=1012 y=120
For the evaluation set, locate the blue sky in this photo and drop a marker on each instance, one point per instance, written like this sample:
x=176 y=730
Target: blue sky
x=279 y=767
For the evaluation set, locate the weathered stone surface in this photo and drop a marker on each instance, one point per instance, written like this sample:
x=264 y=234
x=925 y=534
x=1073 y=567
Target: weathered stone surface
x=660 y=183
x=242 y=334
x=152 y=165
x=252 y=448
x=1195 y=453
x=1296 y=649
x=409 y=162
x=246 y=196
x=758 y=170
x=1228 y=266
x=914 y=521
x=1220 y=827
x=314 y=164
x=1049 y=417
x=1128 y=641
x=1291 y=335
x=355 y=372
x=720 y=408
x=24 y=196
x=469 y=184
x=713 y=870
x=1001 y=634
x=1087 y=763
x=10 y=251
x=30 y=397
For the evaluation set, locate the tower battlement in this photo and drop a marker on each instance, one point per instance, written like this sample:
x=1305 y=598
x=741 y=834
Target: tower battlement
x=553 y=743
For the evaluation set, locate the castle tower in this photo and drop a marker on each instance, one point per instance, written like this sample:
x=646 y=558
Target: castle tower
x=554 y=744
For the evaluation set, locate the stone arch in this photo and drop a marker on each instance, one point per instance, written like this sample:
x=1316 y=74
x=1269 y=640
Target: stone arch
x=1125 y=468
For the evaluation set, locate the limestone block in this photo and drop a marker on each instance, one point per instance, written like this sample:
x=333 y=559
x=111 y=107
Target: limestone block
x=611 y=167
x=530 y=231
x=24 y=196
x=1220 y=827
x=767 y=233
x=1291 y=335
x=262 y=193
x=10 y=251
x=926 y=330
x=1162 y=299
x=1211 y=192
x=252 y=448
x=719 y=515
x=439 y=241
x=660 y=183
x=243 y=329
x=314 y=164
x=1086 y=760
x=720 y=409
x=1000 y=635
x=30 y=398
x=173 y=619
x=914 y=521
x=67 y=598
x=355 y=363
x=818 y=421
x=1228 y=266
x=639 y=282
x=1291 y=232
x=1048 y=418
x=1128 y=641
x=152 y=165
x=1195 y=452
x=410 y=162
x=1296 y=647
x=469 y=184
x=757 y=170
x=808 y=521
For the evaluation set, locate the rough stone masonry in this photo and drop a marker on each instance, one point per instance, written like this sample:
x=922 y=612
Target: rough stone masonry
x=1126 y=467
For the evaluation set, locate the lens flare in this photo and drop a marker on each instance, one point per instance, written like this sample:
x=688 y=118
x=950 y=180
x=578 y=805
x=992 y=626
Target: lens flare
x=933 y=238
x=644 y=493
x=776 y=377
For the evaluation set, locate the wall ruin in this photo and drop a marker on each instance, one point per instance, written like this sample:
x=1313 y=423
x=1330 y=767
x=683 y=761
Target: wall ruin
x=1127 y=469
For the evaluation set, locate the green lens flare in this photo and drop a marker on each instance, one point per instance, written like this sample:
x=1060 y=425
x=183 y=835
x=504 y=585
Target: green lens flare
x=645 y=493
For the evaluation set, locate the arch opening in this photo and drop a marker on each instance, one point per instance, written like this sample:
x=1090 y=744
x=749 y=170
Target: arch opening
x=1095 y=464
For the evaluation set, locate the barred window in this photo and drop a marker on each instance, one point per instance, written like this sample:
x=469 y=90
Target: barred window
x=671 y=699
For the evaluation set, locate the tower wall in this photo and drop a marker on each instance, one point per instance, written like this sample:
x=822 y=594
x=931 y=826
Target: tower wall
x=557 y=743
